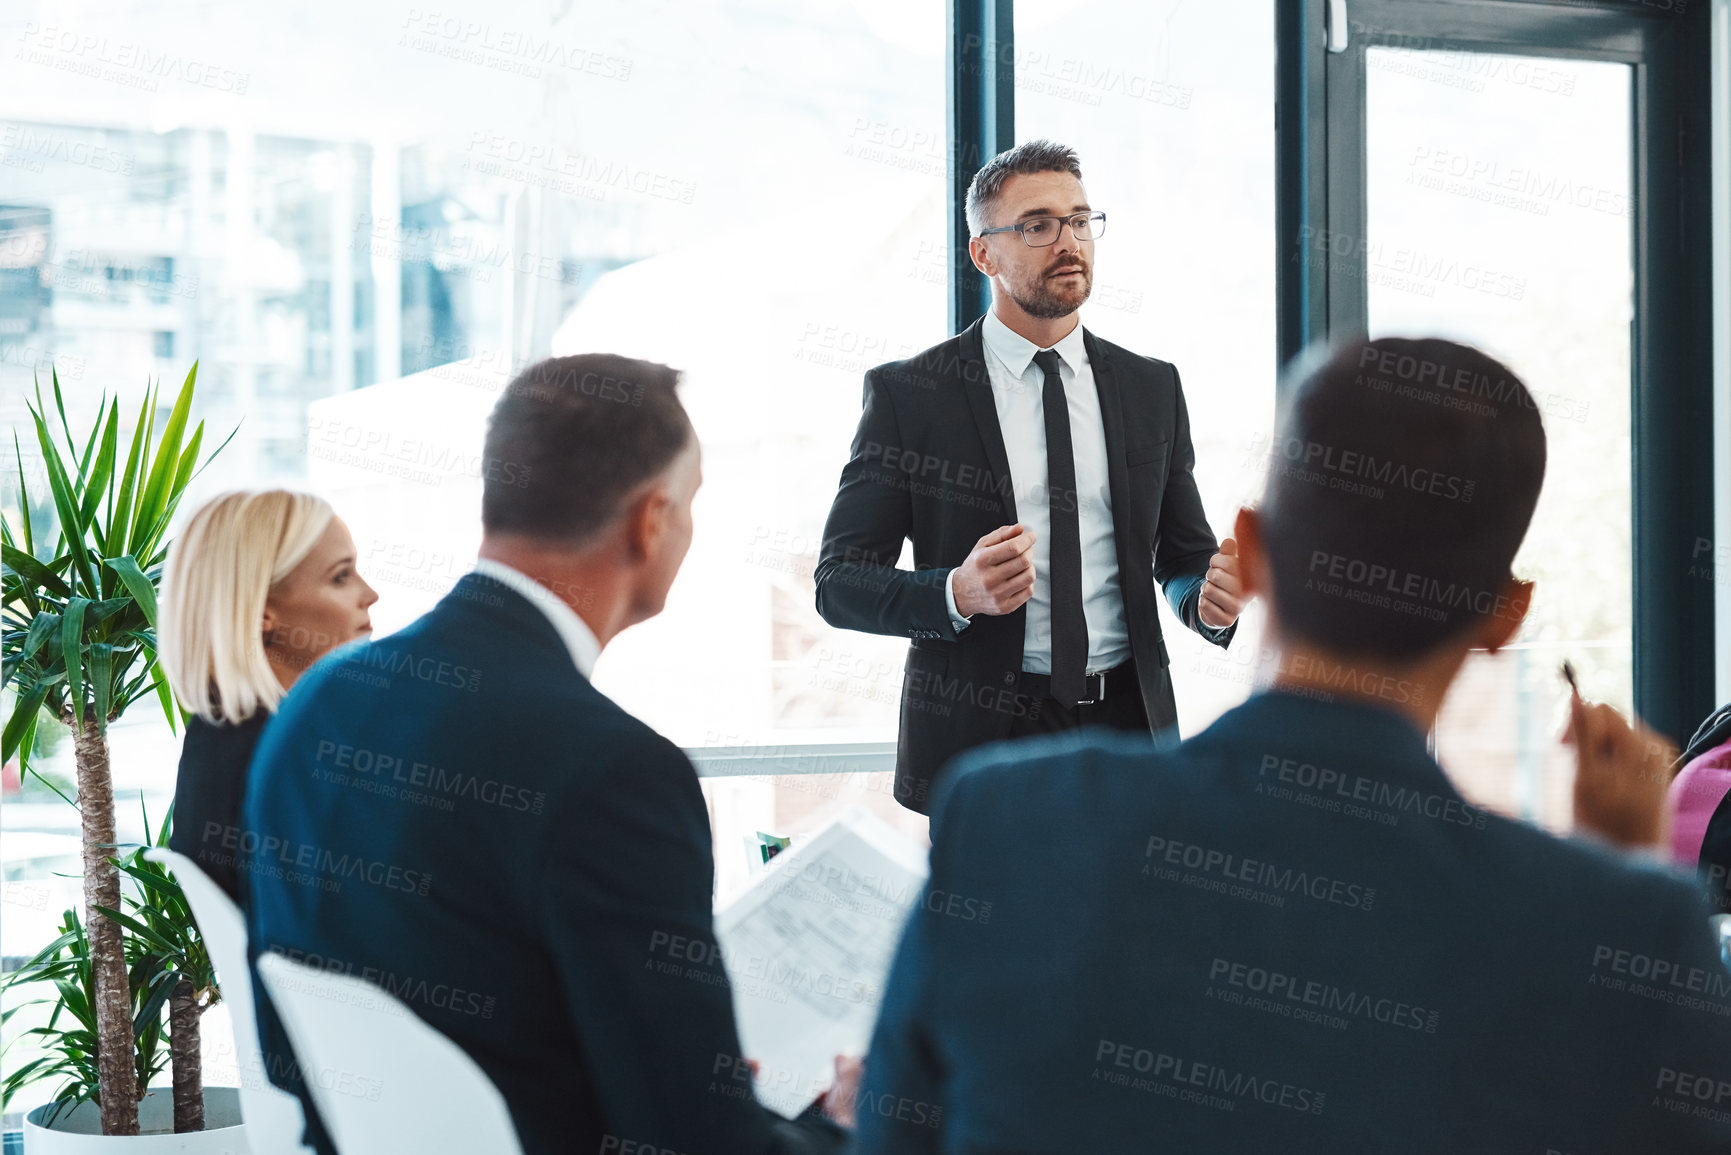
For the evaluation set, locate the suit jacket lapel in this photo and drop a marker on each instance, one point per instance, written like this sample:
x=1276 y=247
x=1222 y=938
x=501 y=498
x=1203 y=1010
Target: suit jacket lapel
x=1112 y=417
x=1117 y=472
x=977 y=383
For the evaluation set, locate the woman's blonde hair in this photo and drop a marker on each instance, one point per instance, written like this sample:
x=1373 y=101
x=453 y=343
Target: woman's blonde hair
x=219 y=571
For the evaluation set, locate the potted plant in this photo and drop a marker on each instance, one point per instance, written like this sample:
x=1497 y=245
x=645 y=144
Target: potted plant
x=79 y=637
x=168 y=969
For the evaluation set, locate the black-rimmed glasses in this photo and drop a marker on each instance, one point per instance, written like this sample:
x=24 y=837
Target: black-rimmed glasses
x=1038 y=232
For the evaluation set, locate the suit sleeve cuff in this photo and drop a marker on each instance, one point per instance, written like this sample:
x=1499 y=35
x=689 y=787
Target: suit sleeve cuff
x=1219 y=635
x=956 y=619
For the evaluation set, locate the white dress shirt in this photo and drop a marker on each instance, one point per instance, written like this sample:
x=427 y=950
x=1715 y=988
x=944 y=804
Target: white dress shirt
x=579 y=639
x=1017 y=385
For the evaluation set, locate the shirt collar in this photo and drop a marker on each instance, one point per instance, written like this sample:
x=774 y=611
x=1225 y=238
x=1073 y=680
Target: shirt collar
x=1017 y=352
x=579 y=639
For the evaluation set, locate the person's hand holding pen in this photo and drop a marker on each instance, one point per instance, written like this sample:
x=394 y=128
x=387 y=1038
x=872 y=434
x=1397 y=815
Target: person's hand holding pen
x=1621 y=776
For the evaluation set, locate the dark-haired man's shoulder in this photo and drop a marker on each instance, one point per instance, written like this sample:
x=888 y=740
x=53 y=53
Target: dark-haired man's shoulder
x=1003 y=793
x=1054 y=778
x=1583 y=870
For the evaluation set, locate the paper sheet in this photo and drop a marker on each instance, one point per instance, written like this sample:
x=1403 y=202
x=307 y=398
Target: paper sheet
x=808 y=947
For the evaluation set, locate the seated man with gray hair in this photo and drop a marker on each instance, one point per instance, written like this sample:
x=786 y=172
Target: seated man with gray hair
x=456 y=813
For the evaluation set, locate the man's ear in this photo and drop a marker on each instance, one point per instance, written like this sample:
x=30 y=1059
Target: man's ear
x=1253 y=576
x=1506 y=616
x=646 y=522
x=982 y=256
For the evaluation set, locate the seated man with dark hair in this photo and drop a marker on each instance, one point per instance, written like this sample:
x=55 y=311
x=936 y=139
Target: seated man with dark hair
x=1291 y=933
x=456 y=813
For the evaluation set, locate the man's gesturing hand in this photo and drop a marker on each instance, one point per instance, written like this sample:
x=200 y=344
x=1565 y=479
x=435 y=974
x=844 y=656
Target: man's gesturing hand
x=1222 y=593
x=998 y=575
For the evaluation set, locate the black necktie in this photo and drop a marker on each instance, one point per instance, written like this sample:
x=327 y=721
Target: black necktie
x=1069 y=628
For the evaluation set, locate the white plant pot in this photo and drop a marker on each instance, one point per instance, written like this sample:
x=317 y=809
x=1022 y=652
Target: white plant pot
x=79 y=1131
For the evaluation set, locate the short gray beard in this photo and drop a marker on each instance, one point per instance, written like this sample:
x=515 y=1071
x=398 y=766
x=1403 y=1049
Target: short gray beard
x=1045 y=305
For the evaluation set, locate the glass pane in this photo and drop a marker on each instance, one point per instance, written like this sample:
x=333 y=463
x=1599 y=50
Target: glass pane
x=363 y=218
x=1499 y=213
x=1170 y=106
x=769 y=230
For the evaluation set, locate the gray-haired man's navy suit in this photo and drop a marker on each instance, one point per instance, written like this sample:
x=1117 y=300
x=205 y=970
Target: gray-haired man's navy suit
x=1290 y=934
x=455 y=813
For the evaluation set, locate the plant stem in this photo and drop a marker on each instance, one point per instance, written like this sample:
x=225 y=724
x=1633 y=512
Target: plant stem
x=183 y=1013
x=117 y=1074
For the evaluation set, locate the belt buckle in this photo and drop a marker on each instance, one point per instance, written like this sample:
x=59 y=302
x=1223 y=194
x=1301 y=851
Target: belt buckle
x=1099 y=682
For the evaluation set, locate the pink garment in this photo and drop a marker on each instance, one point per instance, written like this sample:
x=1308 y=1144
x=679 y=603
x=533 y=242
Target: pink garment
x=1694 y=795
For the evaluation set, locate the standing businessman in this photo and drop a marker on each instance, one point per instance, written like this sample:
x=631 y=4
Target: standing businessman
x=1044 y=477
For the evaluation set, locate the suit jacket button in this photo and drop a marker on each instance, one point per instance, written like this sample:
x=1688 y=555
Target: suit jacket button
x=1009 y=678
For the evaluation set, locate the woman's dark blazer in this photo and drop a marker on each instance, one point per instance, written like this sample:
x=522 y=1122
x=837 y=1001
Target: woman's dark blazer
x=207 y=797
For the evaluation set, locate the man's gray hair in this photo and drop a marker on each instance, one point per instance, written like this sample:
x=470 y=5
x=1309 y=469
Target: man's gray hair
x=1029 y=157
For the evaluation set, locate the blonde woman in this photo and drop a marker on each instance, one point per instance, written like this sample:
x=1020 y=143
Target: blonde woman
x=257 y=587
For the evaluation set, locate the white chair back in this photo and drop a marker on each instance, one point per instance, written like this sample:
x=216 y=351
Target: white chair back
x=273 y=1117
x=382 y=1079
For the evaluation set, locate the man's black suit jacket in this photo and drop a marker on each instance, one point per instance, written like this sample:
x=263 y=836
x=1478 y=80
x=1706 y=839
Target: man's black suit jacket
x=928 y=463
x=456 y=814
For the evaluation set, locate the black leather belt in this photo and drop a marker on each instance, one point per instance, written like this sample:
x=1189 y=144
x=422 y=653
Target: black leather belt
x=1119 y=679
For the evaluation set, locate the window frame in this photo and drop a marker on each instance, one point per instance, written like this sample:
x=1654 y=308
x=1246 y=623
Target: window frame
x=1320 y=168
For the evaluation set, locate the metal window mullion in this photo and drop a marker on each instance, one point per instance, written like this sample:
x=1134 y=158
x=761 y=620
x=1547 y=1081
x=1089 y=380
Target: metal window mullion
x=980 y=99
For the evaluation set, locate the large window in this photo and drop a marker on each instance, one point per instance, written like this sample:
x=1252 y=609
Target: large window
x=363 y=220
